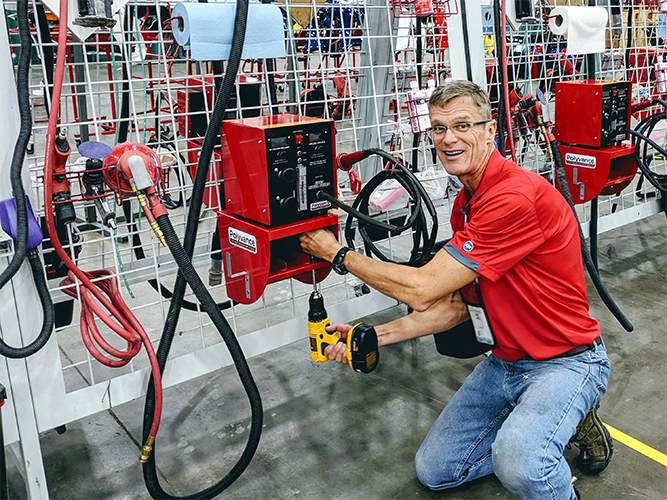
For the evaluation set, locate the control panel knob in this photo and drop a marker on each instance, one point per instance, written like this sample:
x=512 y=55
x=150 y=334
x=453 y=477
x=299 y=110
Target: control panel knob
x=289 y=203
x=288 y=175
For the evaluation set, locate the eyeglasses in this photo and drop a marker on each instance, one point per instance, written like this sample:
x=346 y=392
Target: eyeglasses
x=457 y=129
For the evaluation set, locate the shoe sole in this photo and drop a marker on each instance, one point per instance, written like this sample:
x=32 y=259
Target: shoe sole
x=593 y=467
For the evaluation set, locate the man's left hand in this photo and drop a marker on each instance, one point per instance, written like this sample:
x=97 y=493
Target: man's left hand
x=320 y=243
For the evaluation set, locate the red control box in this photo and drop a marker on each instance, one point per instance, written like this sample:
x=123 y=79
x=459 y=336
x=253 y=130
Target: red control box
x=275 y=166
x=592 y=112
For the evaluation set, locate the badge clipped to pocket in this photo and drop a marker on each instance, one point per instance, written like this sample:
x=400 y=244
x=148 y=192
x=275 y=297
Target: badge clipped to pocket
x=472 y=337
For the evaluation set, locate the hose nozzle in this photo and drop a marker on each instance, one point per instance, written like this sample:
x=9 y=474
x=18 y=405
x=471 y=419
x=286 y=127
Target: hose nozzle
x=147 y=449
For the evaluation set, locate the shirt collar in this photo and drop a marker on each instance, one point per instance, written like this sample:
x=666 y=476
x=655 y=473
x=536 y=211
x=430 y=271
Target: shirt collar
x=490 y=176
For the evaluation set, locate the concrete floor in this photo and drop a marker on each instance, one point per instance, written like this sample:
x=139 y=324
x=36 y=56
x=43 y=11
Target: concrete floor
x=330 y=433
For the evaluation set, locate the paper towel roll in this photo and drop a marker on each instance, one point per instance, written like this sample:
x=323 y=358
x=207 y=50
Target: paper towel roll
x=584 y=27
x=207 y=28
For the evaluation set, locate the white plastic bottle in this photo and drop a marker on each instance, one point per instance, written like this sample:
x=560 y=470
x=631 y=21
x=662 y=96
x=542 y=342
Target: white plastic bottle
x=430 y=87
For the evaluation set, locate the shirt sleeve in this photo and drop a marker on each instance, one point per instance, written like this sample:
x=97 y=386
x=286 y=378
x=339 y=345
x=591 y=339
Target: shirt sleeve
x=501 y=232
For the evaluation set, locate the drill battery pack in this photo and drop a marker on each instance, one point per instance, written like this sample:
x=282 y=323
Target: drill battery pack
x=362 y=348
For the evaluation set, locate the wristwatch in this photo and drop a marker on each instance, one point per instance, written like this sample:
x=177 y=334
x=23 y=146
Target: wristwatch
x=337 y=262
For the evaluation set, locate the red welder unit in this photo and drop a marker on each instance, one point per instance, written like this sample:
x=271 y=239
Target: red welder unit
x=592 y=113
x=590 y=121
x=273 y=168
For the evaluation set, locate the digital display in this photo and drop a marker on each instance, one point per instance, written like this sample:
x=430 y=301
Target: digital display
x=314 y=137
x=278 y=141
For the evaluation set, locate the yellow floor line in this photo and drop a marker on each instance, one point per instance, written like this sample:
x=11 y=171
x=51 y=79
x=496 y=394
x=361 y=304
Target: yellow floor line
x=636 y=445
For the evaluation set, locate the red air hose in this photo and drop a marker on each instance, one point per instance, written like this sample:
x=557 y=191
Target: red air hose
x=105 y=288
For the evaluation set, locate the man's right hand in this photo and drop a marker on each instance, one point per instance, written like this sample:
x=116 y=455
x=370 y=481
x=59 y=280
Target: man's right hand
x=338 y=351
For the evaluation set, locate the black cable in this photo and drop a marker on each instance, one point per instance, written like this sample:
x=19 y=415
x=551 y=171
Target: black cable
x=593 y=232
x=187 y=275
x=139 y=254
x=47 y=52
x=23 y=91
x=648 y=173
x=466 y=39
x=500 y=118
x=4 y=493
x=271 y=81
x=22 y=231
x=588 y=261
x=628 y=36
x=124 y=118
x=418 y=64
x=423 y=242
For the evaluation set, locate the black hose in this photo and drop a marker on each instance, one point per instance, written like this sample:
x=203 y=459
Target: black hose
x=500 y=57
x=628 y=36
x=271 y=81
x=47 y=308
x=124 y=118
x=23 y=91
x=47 y=52
x=21 y=242
x=421 y=252
x=418 y=72
x=648 y=173
x=593 y=232
x=588 y=261
x=186 y=275
x=139 y=255
x=4 y=493
x=466 y=39
x=189 y=273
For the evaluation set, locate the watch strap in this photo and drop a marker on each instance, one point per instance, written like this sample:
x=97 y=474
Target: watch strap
x=337 y=262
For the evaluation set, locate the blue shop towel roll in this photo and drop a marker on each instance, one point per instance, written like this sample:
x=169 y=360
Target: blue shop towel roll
x=207 y=29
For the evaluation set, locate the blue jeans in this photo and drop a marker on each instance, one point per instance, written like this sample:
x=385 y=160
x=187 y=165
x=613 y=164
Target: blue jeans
x=514 y=420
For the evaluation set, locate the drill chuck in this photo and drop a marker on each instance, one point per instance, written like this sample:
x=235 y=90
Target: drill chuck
x=316 y=310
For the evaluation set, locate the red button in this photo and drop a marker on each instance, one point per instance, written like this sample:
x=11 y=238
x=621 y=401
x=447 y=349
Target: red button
x=298 y=138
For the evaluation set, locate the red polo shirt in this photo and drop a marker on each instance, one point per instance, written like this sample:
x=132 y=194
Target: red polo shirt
x=521 y=237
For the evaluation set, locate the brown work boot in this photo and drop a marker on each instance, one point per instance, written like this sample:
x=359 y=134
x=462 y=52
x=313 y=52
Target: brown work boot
x=595 y=444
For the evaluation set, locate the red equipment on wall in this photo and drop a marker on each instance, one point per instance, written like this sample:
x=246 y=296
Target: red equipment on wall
x=273 y=168
x=590 y=123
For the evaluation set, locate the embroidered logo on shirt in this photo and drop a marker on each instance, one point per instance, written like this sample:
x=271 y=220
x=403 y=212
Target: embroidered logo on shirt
x=467 y=246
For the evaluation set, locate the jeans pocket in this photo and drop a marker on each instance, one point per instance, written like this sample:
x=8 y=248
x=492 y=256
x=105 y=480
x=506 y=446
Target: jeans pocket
x=603 y=369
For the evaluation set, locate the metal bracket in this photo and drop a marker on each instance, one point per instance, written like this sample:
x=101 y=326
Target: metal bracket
x=581 y=185
x=228 y=261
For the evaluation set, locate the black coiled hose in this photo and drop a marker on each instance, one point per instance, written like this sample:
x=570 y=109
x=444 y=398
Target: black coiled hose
x=642 y=133
x=21 y=243
x=187 y=275
x=423 y=241
x=586 y=255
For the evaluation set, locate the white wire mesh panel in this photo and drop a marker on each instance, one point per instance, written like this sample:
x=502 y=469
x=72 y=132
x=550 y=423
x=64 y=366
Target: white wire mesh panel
x=367 y=65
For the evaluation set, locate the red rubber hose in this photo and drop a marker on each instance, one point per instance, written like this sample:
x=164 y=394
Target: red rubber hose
x=105 y=289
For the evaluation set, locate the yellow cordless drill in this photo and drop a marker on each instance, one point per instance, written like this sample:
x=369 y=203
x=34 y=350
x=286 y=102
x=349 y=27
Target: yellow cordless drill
x=362 y=342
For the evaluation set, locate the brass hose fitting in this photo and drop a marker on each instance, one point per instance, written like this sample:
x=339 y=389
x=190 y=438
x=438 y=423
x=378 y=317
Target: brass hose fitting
x=153 y=223
x=147 y=449
x=158 y=232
